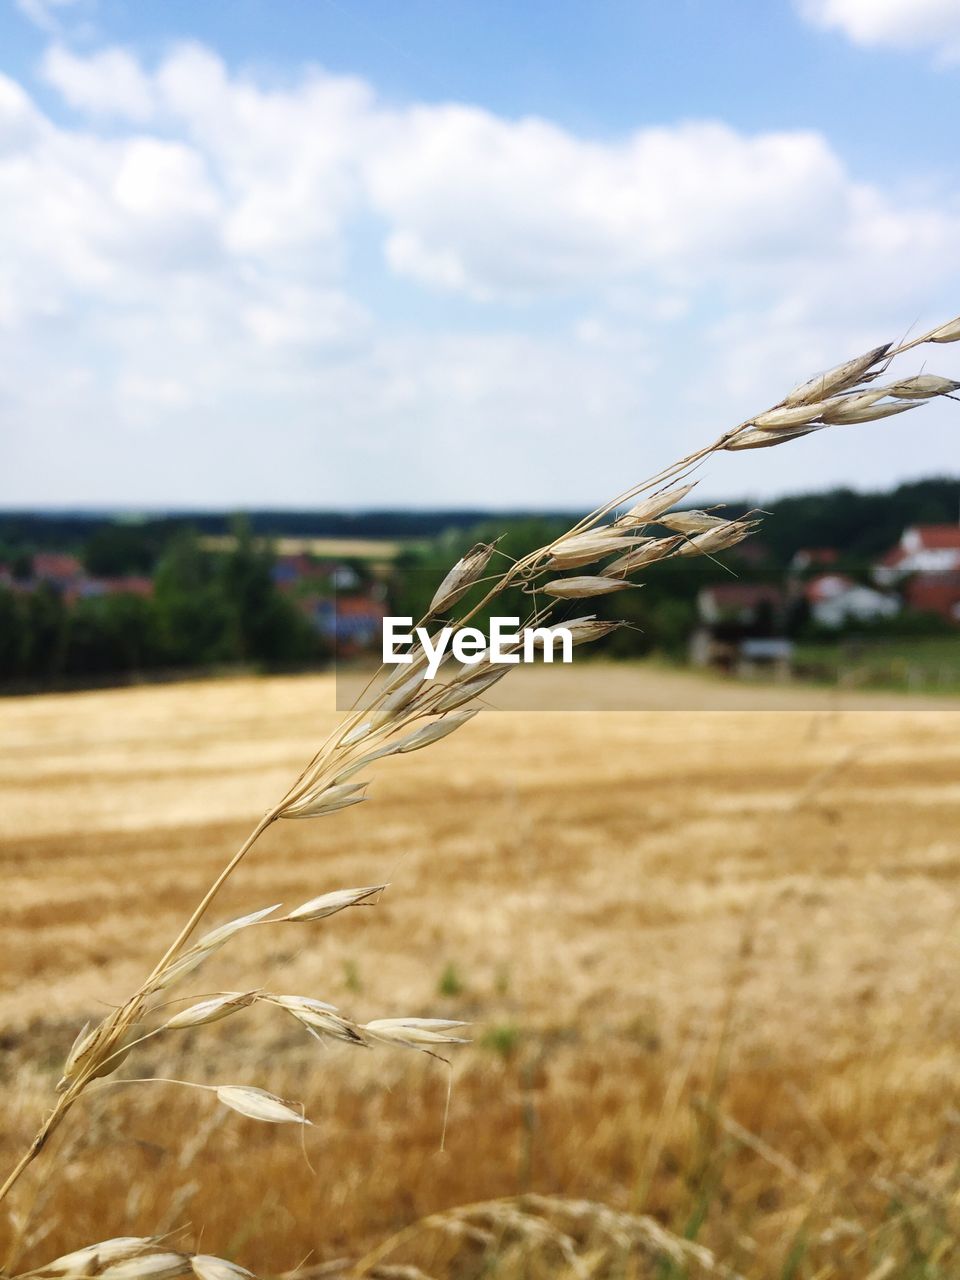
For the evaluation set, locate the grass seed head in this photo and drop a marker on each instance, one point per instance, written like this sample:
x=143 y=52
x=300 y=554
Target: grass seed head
x=692 y=522
x=258 y=1104
x=464 y=690
x=840 y=378
x=789 y=416
x=581 y=588
x=866 y=410
x=416 y=1032
x=430 y=733
x=328 y=1026
x=79 y=1049
x=206 y=946
x=95 y=1054
x=582 y=630
x=659 y=549
x=217 y=937
x=296 y=1004
x=719 y=539
x=149 y=1266
x=400 y=699
x=949 y=332
x=329 y=800
x=649 y=509
x=356 y=733
x=584 y=548
x=212 y=1010
x=180 y=968
x=91 y=1260
x=351 y=770
x=461 y=577
x=206 y=1267
x=752 y=438
x=328 y=904
x=923 y=387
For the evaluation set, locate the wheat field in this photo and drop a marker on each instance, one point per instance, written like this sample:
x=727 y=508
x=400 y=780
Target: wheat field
x=709 y=954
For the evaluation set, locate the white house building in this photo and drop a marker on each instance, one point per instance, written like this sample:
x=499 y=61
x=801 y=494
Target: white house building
x=835 y=600
x=923 y=548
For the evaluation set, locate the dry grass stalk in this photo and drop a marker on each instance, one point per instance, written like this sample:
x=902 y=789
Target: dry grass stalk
x=587 y=1237
x=383 y=724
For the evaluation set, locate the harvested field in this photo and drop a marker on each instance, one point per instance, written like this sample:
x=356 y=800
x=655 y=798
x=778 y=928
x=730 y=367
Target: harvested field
x=710 y=955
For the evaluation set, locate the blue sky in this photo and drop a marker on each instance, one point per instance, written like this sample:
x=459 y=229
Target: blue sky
x=346 y=254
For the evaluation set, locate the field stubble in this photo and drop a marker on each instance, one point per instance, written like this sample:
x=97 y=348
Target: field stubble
x=711 y=957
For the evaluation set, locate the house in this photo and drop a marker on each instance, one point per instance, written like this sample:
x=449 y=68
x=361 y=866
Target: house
x=88 y=588
x=741 y=603
x=67 y=576
x=835 y=600
x=731 y=614
x=56 y=568
x=813 y=558
x=354 y=624
x=290 y=571
x=934 y=593
x=923 y=548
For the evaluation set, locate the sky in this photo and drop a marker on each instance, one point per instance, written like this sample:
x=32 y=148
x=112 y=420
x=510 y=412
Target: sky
x=356 y=253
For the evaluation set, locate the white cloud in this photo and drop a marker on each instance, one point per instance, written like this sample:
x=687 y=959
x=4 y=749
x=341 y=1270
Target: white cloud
x=901 y=24
x=293 y=316
x=204 y=263
x=519 y=208
x=107 y=83
x=44 y=13
x=286 y=156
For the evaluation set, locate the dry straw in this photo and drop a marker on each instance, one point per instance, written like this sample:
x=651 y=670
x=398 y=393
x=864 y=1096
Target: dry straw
x=401 y=712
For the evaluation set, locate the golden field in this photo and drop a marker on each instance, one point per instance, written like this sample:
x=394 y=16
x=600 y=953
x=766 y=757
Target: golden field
x=710 y=955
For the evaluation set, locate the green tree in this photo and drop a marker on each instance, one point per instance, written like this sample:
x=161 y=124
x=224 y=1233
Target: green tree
x=12 y=635
x=45 y=631
x=192 y=615
x=115 y=550
x=111 y=634
x=264 y=626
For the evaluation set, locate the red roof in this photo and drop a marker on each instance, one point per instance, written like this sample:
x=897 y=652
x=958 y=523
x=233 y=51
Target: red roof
x=891 y=559
x=360 y=606
x=743 y=595
x=56 y=567
x=817 y=555
x=937 y=537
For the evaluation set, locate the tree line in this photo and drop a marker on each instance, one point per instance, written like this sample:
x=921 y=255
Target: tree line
x=206 y=610
x=855 y=523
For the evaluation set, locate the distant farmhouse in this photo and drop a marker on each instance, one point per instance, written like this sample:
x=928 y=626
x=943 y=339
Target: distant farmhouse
x=741 y=625
x=925 y=567
x=836 y=600
x=814 y=558
x=344 y=608
x=290 y=571
x=67 y=576
x=923 y=548
x=739 y=603
x=341 y=607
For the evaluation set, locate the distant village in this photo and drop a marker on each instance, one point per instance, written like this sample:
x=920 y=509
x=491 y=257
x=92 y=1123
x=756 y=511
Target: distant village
x=744 y=625
x=343 y=608
x=741 y=625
